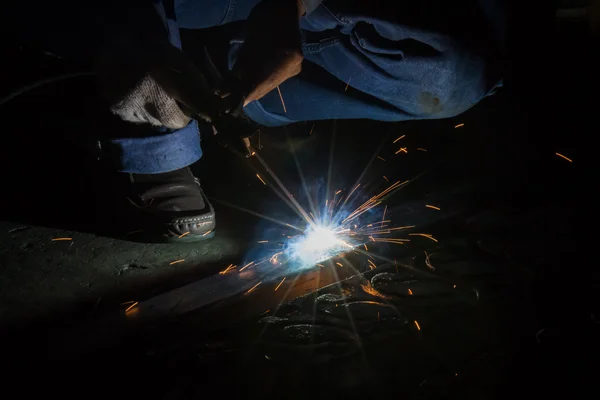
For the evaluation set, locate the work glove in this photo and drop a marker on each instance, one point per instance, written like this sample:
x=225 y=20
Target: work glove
x=148 y=80
x=272 y=51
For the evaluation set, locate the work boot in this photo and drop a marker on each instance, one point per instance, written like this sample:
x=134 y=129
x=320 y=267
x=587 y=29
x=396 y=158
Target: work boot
x=170 y=206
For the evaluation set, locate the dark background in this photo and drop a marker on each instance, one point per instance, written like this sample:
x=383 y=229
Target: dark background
x=517 y=222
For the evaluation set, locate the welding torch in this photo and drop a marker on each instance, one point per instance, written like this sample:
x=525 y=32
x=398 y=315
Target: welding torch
x=234 y=130
x=229 y=126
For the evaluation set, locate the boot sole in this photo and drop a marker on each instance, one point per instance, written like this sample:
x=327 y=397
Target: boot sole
x=189 y=238
x=149 y=237
x=152 y=236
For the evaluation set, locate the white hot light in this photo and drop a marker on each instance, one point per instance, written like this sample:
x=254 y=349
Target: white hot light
x=316 y=245
x=319 y=239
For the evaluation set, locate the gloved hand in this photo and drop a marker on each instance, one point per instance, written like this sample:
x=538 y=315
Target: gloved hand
x=272 y=51
x=147 y=80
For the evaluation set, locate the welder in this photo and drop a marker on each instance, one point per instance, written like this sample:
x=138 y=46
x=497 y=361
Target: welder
x=403 y=60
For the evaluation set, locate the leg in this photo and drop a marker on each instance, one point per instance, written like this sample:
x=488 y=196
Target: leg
x=359 y=66
x=163 y=189
x=78 y=31
x=315 y=94
x=153 y=162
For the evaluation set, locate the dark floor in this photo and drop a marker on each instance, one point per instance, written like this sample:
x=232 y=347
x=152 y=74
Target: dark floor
x=510 y=306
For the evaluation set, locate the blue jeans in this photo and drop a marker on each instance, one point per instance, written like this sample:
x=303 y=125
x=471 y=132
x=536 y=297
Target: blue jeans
x=358 y=63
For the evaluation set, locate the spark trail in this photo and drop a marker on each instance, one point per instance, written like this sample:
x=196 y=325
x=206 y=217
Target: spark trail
x=344 y=222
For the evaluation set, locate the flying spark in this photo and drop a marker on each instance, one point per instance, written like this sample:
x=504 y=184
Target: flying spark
x=565 y=157
x=331 y=228
x=402 y=227
x=247 y=265
x=131 y=307
x=424 y=235
x=369 y=289
x=281 y=98
x=459 y=126
x=226 y=270
x=253 y=287
x=428 y=263
x=280 y=283
x=434 y=207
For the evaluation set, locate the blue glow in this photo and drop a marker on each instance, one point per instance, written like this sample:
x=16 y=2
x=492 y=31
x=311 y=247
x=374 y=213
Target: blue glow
x=315 y=245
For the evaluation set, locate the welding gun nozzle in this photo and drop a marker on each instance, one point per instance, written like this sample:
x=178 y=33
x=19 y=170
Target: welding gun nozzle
x=249 y=148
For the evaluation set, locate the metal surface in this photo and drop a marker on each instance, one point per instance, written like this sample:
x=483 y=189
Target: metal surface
x=220 y=287
x=108 y=330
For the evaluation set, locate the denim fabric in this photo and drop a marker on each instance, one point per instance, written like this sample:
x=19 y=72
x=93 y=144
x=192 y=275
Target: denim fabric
x=361 y=61
x=162 y=152
x=365 y=67
x=360 y=65
x=75 y=29
x=310 y=5
x=165 y=150
x=357 y=65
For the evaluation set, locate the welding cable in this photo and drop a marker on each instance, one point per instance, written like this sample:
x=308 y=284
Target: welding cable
x=41 y=82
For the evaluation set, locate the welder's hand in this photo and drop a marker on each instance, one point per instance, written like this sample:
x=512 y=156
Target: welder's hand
x=272 y=52
x=156 y=84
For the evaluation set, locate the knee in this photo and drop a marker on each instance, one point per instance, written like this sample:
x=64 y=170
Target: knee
x=450 y=95
x=431 y=106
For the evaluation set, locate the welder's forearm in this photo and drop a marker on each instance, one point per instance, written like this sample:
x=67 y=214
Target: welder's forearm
x=301 y=8
x=308 y=6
